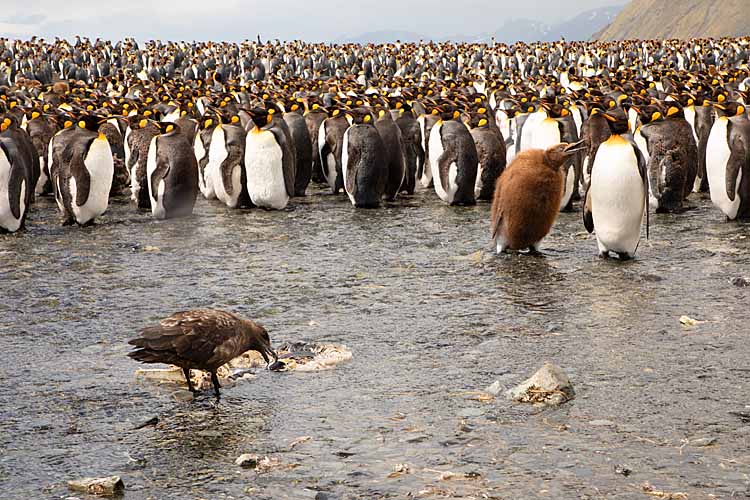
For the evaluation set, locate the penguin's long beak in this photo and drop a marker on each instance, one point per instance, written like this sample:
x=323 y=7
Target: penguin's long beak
x=574 y=147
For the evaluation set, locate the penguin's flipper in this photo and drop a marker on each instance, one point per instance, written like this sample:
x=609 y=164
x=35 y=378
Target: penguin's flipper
x=588 y=218
x=737 y=159
x=325 y=150
x=353 y=158
x=14 y=184
x=80 y=173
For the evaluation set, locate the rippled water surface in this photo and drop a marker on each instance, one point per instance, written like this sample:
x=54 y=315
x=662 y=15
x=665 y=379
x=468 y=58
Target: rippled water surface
x=429 y=313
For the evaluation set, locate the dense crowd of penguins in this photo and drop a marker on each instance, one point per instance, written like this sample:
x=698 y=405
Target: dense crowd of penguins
x=252 y=124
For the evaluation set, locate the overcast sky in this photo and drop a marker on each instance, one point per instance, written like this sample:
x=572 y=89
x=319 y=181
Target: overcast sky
x=314 y=20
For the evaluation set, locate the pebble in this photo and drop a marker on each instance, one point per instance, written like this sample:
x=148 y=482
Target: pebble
x=247 y=461
x=183 y=396
x=100 y=486
x=549 y=386
x=739 y=281
x=700 y=442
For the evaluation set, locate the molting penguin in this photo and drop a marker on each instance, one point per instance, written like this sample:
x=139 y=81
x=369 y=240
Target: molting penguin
x=82 y=171
x=302 y=143
x=673 y=158
x=390 y=134
x=269 y=162
x=617 y=194
x=363 y=160
x=453 y=160
x=527 y=197
x=728 y=161
x=16 y=177
x=172 y=173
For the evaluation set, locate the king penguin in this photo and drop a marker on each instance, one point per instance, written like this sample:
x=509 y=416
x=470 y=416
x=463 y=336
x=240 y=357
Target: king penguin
x=172 y=173
x=728 y=160
x=363 y=160
x=453 y=159
x=201 y=148
x=617 y=193
x=82 y=171
x=16 y=182
x=269 y=162
x=330 y=141
x=491 y=155
x=393 y=142
x=226 y=163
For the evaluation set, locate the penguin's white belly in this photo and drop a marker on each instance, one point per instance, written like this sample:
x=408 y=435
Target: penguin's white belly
x=617 y=198
x=157 y=203
x=426 y=178
x=345 y=165
x=7 y=220
x=265 y=173
x=330 y=171
x=717 y=156
x=216 y=156
x=101 y=168
x=445 y=193
x=570 y=180
x=546 y=133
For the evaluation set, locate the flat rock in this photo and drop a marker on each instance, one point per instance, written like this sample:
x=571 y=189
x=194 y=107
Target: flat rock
x=183 y=396
x=100 y=486
x=548 y=386
x=494 y=389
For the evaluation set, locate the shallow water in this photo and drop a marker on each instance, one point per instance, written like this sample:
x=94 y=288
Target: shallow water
x=428 y=320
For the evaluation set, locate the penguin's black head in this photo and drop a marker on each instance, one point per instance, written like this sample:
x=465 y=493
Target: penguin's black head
x=558 y=111
x=261 y=116
x=673 y=110
x=648 y=113
x=381 y=112
x=360 y=116
x=476 y=120
x=168 y=128
x=89 y=122
x=729 y=109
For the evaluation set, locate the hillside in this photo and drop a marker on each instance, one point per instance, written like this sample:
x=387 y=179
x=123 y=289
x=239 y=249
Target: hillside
x=580 y=27
x=679 y=19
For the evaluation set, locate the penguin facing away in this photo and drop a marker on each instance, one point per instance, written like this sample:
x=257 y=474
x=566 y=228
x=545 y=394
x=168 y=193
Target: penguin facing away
x=363 y=160
x=172 y=173
x=393 y=142
x=453 y=160
x=226 y=164
x=15 y=184
x=201 y=148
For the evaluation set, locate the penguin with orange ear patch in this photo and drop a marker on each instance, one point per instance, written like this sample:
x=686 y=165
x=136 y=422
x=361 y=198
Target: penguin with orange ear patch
x=527 y=197
x=363 y=160
x=453 y=159
x=172 y=173
x=82 y=171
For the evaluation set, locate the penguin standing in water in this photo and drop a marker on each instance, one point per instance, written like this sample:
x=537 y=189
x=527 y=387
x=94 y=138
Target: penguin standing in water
x=704 y=120
x=491 y=155
x=426 y=122
x=393 y=143
x=201 y=148
x=314 y=118
x=728 y=160
x=269 y=162
x=673 y=158
x=363 y=160
x=413 y=150
x=330 y=143
x=226 y=163
x=527 y=197
x=82 y=170
x=453 y=159
x=617 y=193
x=138 y=139
x=302 y=146
x=172 y=173
x=41 y=129
x=16 y=182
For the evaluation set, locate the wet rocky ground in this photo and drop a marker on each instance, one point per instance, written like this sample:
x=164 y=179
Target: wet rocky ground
x=431 y=315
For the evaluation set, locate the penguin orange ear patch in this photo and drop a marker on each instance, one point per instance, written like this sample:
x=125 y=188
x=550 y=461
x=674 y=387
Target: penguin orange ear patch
x=170 y=128
x=367 y=118
x=482 y=123
x=672 y=111
x=235 y=119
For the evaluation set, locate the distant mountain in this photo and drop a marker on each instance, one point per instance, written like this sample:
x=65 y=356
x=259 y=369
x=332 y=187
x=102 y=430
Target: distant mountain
x=680 y=19
x=581 y=27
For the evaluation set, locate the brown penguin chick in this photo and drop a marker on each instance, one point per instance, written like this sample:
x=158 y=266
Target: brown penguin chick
x=527 y=197
x=201 y=339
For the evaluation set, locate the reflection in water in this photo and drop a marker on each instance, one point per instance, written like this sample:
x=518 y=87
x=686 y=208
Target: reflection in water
x=431 y=315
